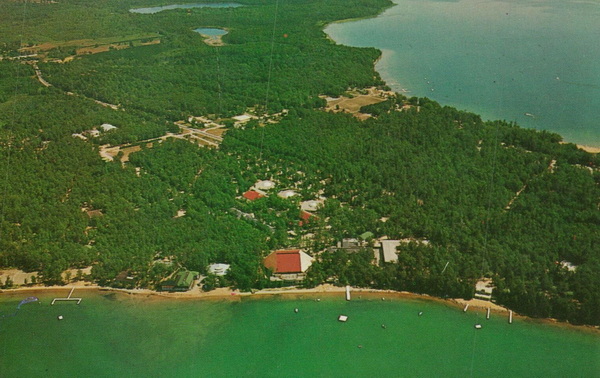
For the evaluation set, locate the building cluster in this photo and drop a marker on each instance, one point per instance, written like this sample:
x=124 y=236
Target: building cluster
x=95 y=132
x=263 y=188
x=291 y=265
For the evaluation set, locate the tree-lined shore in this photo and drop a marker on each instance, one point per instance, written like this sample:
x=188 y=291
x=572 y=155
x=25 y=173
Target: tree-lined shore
x=493 y=200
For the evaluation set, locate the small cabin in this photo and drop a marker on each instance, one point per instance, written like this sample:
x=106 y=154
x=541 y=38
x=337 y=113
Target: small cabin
x=180 y=281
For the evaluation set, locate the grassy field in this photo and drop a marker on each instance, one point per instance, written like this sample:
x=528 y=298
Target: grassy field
x=93 y=46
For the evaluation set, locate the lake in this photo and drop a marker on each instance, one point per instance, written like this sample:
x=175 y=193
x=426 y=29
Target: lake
x=533 y=62
x=211 y=32
x=114 y=334
x=153 y=10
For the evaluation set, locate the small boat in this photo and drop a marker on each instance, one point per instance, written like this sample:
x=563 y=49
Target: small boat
x=529 y=115
x=343 y=318
x=477 y=326
x=420 y=313
x=60 y=317
x=296 y=310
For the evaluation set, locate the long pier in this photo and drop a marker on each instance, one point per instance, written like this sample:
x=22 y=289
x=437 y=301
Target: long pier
x=68 y=298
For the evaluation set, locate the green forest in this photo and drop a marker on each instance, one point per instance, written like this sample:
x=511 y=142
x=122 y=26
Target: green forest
x=494 y=200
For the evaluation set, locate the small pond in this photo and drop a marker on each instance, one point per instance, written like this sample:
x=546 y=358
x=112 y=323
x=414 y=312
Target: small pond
x=153 y=10
x=211 y=32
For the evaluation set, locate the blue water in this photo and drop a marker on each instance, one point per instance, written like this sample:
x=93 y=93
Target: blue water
x=211 y=32
x=153 y=10
x=501 y=59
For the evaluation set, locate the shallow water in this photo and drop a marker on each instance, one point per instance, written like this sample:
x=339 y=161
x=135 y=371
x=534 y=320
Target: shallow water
x=112 y=334
x=533 y=62
x=211 y=32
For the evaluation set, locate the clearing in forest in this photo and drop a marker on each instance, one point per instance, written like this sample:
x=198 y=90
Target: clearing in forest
x=93 y=46
x=356 y=100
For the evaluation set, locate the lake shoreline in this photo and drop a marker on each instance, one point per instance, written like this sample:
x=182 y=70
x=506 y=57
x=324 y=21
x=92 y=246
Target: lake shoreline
x=581 y=143
x=293 y=293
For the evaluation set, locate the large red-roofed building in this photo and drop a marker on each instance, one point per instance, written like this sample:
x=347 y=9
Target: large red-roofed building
x=288 y=265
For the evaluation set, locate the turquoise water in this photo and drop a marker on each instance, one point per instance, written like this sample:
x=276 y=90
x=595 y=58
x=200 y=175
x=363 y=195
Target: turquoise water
x=153 y=10
x=110 y=335
x=211 y=32
x=501 y=59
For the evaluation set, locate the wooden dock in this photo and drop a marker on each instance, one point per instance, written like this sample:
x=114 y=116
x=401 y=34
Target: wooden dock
x=78 y=300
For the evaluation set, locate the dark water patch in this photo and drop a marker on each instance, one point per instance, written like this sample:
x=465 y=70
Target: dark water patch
x=110 y=297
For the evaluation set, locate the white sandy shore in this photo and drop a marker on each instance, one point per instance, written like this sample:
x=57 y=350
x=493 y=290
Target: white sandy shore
x=591 y=149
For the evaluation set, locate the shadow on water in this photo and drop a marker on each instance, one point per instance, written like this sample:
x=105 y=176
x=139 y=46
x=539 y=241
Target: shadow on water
x=110 y=296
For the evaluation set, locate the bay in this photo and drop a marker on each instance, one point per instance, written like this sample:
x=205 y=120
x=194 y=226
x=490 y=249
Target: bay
x=114 y=334
x=533 y=62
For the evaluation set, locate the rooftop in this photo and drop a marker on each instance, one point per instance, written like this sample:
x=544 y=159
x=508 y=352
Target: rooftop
x=219 y=269
x=390 y=249
x=107 y=127
x=252 y=195
x=265 y=185
x=286 y=193
x=288 y=261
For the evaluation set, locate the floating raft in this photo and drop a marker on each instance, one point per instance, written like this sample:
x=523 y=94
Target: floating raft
x=343 y=318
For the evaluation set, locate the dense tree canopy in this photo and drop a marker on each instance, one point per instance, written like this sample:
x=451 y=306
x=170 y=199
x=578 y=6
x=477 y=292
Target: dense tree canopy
x=493 y=200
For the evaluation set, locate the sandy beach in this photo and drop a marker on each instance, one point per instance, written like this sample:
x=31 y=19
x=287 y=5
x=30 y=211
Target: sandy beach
x=229 y=293
x=590 y=149
x=327 y=290
x=293 y=293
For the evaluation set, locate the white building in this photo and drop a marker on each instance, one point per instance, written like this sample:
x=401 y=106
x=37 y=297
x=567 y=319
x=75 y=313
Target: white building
x=264 y=185
x=484 y=288
x=286 y=193
x=311 y=205
x=107 y=127
x=218 y=269
x=389 y=250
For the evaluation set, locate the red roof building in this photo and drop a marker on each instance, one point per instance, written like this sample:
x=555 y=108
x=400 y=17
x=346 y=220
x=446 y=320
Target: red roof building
x=306 y=217
x=252 y=195
x=288 y=261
